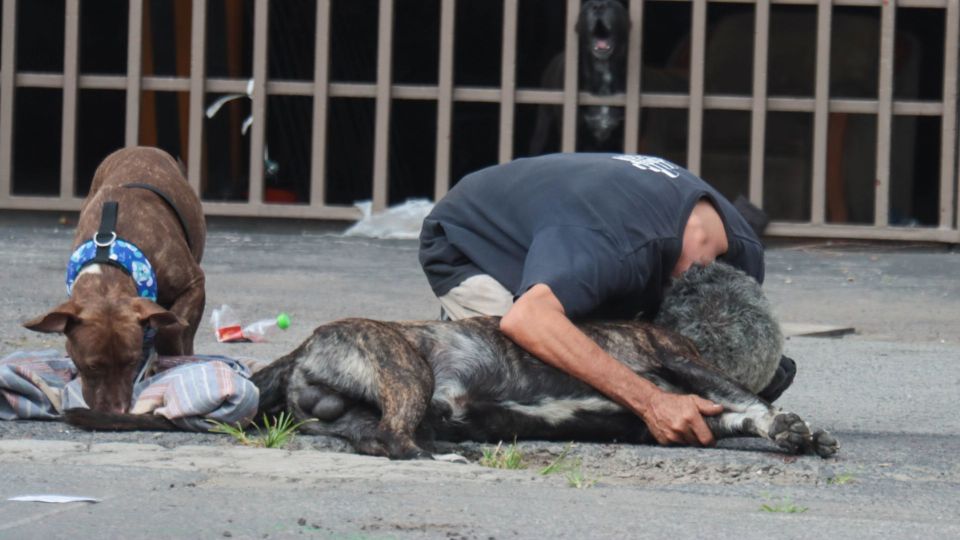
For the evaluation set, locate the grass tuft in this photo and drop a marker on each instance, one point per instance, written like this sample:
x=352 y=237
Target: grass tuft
x=841 y=479
x=784 y=506
x=275 y=433
x=572 y=469
x=503 y=458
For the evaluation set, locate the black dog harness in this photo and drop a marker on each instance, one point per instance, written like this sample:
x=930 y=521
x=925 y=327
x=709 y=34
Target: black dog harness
x=166 y=198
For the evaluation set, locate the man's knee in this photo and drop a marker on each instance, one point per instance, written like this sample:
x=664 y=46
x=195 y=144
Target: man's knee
x=477 y=296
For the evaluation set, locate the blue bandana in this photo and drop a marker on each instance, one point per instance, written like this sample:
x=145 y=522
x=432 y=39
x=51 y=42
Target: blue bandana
x=122 y=254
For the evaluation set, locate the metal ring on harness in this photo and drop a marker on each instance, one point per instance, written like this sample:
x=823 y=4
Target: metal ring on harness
x=98 y=243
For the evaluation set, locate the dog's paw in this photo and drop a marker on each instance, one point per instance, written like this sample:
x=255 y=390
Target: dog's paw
x=408 y=450
x=390 y=447
x=824 y=444
x=371 y=446
x=791 y=433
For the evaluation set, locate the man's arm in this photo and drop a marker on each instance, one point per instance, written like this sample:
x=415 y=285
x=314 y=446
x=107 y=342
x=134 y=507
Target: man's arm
x=537 y=322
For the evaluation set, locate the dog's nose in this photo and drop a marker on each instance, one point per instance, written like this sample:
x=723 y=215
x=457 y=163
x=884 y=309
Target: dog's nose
x=116 y=407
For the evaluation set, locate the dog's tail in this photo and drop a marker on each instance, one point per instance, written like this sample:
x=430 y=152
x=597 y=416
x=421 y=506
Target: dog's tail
x=272 y=383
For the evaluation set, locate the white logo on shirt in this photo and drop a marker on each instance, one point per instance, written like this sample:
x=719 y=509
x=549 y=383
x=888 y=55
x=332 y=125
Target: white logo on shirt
x=651 y=163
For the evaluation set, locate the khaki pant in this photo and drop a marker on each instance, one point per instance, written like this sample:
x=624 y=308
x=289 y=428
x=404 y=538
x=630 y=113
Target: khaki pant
x=476 y=296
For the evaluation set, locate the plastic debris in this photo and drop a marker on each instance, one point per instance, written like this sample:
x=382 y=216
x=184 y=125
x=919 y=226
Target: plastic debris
x=228 y=328
x=401 y=222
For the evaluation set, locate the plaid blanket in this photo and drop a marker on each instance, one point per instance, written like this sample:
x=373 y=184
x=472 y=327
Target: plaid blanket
x=190 y=391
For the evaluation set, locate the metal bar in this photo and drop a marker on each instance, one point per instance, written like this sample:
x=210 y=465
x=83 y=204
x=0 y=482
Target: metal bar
x=68 y=133
x=775 y=229
x=360 y=90
x=655 y=100
x=104 y=82
x=239 y=86
x=441 y=181
x=41 y=203
x=918 y=108
x=852 y=3
x=821 y=114
x=697 y=64
x=183 y=57
x=631 y=125
x=381 y=139
x=948 y=122
x=758 y=120
x=258 y=108
x=8 y=69
x=571 y=73
x=40 y=80
x=480 y=95
x=863 y=232
x=884 y=114
x=165 y=84
x=321 y=80
x=134 y=71
x=508 y=82
x=198 y=42
x=341 y=213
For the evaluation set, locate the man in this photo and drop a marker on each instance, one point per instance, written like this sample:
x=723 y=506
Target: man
x=546 y=240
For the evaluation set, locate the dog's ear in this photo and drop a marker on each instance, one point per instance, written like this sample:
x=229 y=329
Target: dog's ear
x=56 y=320
x=150 y=313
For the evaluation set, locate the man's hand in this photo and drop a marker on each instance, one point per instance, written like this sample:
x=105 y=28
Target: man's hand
x=538 y=323
x=678 y=419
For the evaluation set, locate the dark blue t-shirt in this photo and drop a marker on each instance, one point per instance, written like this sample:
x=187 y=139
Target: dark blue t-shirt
x=603 y=231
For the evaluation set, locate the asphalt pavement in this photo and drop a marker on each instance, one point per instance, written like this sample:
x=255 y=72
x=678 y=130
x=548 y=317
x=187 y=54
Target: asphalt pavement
x=887 y=392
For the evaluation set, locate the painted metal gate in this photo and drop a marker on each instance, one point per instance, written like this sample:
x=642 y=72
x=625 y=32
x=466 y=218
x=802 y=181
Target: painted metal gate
x=833 y=118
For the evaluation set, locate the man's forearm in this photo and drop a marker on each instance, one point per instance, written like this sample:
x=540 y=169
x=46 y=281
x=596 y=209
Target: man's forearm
x=550 y=336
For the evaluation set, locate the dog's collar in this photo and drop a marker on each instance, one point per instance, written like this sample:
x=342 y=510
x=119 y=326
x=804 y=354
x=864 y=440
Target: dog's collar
x=123 y=255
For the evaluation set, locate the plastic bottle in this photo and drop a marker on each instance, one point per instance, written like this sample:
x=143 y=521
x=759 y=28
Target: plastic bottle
x=259 y=330
x=226 y=324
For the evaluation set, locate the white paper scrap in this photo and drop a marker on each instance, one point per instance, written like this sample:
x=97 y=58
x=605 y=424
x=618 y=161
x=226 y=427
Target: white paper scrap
x=450 y=458
x=53 y=499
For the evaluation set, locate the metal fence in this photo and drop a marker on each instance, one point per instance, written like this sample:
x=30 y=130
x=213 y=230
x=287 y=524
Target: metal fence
x=385 y=92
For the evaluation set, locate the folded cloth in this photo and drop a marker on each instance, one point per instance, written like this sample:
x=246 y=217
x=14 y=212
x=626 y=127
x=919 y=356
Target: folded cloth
x=190 y=391
x=31 y=383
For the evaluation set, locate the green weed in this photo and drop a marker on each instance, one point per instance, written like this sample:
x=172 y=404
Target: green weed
x=783 y=506
x=275 y=433
x=503 y=458
x=572 y=469
x=841 y=479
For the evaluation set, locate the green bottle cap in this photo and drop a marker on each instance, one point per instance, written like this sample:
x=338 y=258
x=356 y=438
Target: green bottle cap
x=283 y=321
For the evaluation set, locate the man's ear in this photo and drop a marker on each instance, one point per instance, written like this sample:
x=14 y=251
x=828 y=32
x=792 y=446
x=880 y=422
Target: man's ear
x=56 y=320
x=151 y=313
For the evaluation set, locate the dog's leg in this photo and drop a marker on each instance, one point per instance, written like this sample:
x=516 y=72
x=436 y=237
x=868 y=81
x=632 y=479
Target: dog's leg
x=350 y=369
x=360 y=425
x=745 y=413
x=176 y=340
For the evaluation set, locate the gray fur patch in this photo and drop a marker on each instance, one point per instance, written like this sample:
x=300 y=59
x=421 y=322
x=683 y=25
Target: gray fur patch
x=726 y=315
x=558 y=411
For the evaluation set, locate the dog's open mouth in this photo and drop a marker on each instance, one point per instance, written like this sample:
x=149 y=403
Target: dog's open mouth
x=602 y=44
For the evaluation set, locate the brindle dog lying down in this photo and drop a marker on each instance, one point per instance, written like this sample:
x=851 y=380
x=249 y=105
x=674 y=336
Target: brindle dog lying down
x=390 y=388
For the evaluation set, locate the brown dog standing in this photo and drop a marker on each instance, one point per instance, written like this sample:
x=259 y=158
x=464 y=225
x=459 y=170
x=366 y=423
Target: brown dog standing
x=159 y=217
